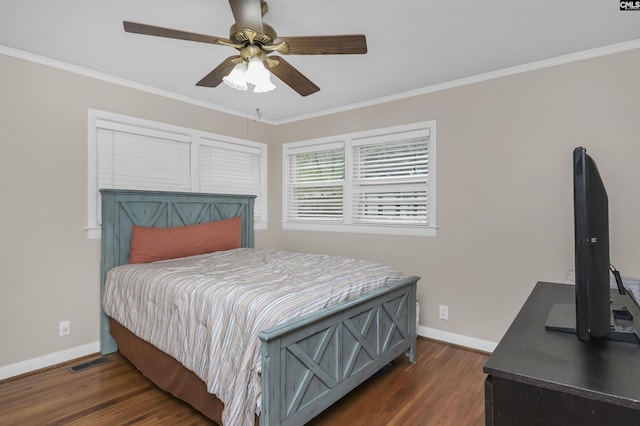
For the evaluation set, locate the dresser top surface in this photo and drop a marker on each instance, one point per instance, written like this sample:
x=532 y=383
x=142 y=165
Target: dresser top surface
x=528 y=353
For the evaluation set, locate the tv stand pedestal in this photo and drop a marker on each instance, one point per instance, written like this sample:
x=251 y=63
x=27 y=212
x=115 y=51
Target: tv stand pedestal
x=543 y=377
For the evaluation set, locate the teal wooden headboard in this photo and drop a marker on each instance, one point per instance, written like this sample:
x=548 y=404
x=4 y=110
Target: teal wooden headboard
x=123 y=208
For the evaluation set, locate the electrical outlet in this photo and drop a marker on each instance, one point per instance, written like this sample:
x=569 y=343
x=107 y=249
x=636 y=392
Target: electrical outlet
x=65 y=328
x=444 y=312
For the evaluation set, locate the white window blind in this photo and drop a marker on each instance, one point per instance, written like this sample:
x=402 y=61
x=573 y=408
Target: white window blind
x=130 y=159
x=390 y=182
x=135 y=161
x=377 y=181
x=130 y=153
x=316 y=181
x=232 y=169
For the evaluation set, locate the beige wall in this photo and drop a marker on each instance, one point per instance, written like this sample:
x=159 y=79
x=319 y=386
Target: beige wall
x=504 y=188
x=49 y=270
x=503 y=175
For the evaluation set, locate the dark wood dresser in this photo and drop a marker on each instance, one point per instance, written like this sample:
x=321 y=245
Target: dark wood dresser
x=549 y=378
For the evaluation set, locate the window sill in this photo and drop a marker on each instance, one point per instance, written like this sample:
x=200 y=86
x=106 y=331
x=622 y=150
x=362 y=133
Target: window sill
x=414 y=231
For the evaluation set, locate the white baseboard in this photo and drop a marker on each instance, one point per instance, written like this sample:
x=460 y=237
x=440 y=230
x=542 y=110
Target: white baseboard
x=457 y=339
x=48 y=360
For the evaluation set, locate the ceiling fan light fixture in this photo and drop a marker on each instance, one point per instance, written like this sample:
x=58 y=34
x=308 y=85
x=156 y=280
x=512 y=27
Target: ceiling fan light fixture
x=254 y=38
x=237 y=78
x=259 y=76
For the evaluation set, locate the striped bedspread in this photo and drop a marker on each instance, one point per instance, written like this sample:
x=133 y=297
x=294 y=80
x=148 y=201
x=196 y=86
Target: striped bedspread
x=207 y=311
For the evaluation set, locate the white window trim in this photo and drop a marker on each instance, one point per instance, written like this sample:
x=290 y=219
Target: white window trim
x=103 y=119
x=349 y=140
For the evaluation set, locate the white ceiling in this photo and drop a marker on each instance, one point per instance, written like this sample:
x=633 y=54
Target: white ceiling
x=412 y=44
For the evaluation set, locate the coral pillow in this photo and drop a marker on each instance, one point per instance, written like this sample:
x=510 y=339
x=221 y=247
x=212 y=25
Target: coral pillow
x=151 y=244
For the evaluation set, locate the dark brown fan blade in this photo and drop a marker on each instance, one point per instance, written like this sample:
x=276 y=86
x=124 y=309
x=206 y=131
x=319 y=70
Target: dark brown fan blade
x=293 y=78
x=324 y=45
x=248 y=14
x=134 y=27
x=215 y=77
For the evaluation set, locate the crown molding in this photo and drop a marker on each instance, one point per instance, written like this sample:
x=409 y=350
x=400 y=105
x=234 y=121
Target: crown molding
x=518 y=69
x=87 y=72
x=505 y=72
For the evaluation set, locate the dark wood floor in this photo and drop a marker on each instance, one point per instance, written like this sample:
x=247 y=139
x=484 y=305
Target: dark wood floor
x=445 y=387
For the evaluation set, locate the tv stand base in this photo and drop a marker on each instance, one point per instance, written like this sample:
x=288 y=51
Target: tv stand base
x=562 y=317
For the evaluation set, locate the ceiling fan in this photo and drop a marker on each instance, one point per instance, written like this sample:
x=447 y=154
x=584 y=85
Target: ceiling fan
x=253 y=39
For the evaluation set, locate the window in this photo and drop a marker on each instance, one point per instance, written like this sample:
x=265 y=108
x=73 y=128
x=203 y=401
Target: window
x=232 y=168
x=380 y=181
x=129 y=153
x=316 y=184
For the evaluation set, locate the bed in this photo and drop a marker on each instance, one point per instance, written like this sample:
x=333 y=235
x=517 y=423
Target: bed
x=307 y=363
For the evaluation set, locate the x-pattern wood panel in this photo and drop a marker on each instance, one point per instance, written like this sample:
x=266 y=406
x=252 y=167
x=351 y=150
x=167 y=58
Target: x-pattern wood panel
x=350 y=346
x=148 y=216
x=178 y=213
x=314 y=369
x=398 y=321
x=361 y=341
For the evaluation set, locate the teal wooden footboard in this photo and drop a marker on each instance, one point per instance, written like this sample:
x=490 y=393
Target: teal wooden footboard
x=309 y=364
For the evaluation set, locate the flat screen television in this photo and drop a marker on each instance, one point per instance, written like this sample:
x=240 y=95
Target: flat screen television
x=591 y=223
x=593 y=317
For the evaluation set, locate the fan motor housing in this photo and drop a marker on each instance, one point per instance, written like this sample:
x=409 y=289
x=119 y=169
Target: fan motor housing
x=247 y=36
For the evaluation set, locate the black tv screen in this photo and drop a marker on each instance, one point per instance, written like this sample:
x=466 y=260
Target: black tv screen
x=591 y=221
x=594 y=316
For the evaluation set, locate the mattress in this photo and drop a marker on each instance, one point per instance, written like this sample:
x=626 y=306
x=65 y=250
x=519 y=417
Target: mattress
x=206 y=311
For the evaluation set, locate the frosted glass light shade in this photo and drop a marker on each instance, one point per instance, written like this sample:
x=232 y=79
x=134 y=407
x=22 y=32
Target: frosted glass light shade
x=259 y=76
x=264 y=86
x=237 y=78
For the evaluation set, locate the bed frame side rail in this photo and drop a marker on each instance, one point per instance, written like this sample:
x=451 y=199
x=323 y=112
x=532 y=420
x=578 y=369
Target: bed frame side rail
x=310 y=364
